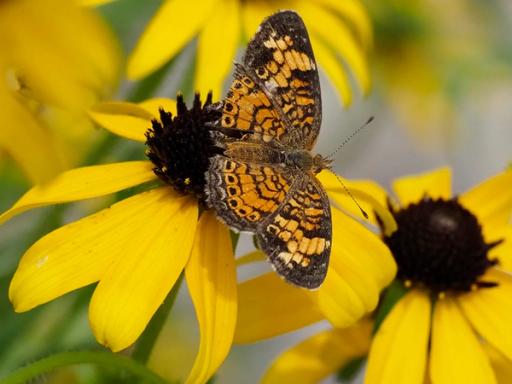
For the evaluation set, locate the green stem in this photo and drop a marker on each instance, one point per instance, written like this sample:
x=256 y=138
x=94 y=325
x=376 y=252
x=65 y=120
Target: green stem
x=105 y=359
x=147 y=340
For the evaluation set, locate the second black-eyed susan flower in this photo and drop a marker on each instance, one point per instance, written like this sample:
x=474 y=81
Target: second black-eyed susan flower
x=137 y=248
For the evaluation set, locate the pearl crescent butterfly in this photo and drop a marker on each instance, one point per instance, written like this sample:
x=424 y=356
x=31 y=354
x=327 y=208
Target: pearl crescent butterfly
x=264 y=181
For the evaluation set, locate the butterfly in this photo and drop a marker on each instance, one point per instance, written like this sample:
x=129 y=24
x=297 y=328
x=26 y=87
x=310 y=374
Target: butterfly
x=264 y=180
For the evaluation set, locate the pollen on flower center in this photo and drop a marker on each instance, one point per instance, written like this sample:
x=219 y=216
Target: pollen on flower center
x=180 y=146
x=440 y=245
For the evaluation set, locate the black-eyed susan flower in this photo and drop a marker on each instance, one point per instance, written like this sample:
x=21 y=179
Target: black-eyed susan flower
x=451 y=326
x=339 y=30
x=453 y=256
x=360 y=267
x=57 y=59
x=136 y=249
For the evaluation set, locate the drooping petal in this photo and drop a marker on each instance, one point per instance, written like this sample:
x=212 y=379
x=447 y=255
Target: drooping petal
x=337 y=35
x=435 y=184
x=360 y=267
x=489 y=311
x=127 y=120
x=491 y=202
x=76 y=254
x=322 y=354
x=219 y=39
x=355 y=12
x=501 y=366
x=336 y=192
x=174 y=24
x=83 y=183
x=267 y=307
x=156 y=248
x=328 y=62
x=456 y=354
x=399 y=350
x=211 y=280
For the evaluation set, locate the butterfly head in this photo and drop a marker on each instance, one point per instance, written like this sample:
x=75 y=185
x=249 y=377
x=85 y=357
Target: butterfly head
x=320 y=162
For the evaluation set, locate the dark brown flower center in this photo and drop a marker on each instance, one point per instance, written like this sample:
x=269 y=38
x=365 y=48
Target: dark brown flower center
x=180 y=146
x=439 y=244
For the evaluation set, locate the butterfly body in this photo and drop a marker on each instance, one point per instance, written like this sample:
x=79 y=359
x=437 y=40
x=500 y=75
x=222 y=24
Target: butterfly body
x=264 y=181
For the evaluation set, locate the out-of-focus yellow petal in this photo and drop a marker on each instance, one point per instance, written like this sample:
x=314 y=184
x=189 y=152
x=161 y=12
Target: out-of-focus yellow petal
x=94 y=3
x=153 y=106
x=83 y=183
x=456 y=354
x=501 y=366
x=219 y=39
x=72 y=68
x=333 y=68
x=489 y=310
x=337 y=193
x=76 y=254
x=491 y=202
x=253 y=13
x=127 y=120
x=435 y=184
x=211 y=280
x=26 y=140
x=335 y=33
x=156 y=248
x=267 y=307
x=251 y=257
x=322 y=354
x=355 y=12
x=360 y=266
x=174 y=24
x=399 y=350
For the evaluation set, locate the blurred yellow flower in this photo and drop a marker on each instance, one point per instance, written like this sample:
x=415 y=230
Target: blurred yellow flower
x=360 y=267
x=56 y=60
x=339 y=30
x=137 y=248
x=454 y=257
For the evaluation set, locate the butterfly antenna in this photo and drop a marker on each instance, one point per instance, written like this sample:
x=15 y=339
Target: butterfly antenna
x=351 y=136
x=363 y=212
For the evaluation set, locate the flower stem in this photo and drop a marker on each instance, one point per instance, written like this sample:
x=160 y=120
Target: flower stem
x=147 y=340
x=106 y=359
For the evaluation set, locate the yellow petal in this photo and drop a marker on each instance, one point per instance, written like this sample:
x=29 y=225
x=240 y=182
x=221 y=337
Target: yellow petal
x=211 y=280
x=27 y=141
x=251 y=257
x=355 y=12
x=154 y=105
x=333 y=68
x=490 y=311
x=491 y=202
x=267 y=307
x=337 y=193
x=83 y=183
x=335 y=33
x=399 y=350
x=219 y=39
x=321 y=355
x=156 y=247
x=361 y=265
x=435 y=184
x=253 y=13
x=456 y=354
x=502 y=366
x=127 y=120
x=174 y=24
x=76 y=254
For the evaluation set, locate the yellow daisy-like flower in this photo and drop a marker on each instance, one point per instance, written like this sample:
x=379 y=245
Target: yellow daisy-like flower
x=338 y=30
x=360 y=267
x=137 y=248
x=57 y=59
x=452 y=326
